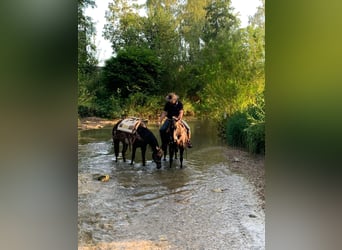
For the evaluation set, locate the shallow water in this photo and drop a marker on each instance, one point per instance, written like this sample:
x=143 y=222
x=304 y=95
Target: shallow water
x=202 y=206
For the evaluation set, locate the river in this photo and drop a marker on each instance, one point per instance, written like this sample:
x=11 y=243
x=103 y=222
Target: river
x=202 y=206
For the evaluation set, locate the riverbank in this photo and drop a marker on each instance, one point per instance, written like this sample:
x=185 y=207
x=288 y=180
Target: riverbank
x=95 y=123
x=252 y=167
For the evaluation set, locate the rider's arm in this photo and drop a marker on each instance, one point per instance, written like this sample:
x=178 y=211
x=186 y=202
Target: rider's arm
x=162 y=116
x=180 y=116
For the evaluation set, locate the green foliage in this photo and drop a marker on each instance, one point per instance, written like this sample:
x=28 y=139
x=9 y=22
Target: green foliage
x=133 y=70
x=255 y=135
x=192 y=19
x=255 y=132
x=86 y=58
x=247 y=129
x=204 y=55
x=124 y=26
x=220 y=97
x=219 y=18
x=236 y=125
x=84 y=95
x=100 y=107
x=107 y=108
x=86 y=48
x=140 y=105
x=189 y=107
x=231 y=72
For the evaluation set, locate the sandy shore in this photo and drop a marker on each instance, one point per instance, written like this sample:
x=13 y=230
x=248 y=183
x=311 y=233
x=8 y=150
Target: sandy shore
x=95 y=123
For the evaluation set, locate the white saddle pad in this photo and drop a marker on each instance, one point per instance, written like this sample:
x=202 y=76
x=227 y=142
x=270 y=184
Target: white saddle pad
x=129 y=125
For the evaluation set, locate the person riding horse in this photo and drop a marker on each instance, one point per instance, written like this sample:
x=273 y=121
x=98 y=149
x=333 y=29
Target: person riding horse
x=173 y=108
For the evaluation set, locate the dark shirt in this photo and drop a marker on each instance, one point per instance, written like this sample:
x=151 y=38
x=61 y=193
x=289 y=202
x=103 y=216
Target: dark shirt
x=173 y=109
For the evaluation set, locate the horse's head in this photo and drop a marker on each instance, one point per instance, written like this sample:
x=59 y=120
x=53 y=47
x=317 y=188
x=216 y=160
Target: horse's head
x=157 y=155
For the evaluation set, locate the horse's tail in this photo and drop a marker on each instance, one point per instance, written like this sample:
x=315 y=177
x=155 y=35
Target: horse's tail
x=115 y=129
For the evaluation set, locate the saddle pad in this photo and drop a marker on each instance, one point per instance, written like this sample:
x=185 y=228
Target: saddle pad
x=129 y=125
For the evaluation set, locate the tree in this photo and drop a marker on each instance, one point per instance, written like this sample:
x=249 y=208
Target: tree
x=133 y=70
x=124 y=25
x=195 y=47
x=219 y=18
x=161 y=31
x=233 y=62
x=191 y=28
x=86 y=48
x=86 y=53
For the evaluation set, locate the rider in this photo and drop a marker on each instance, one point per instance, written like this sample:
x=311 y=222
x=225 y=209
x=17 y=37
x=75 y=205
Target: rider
x=173 y=108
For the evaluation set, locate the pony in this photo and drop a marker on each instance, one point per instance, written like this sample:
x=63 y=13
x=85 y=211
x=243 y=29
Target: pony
x=175 y=138
x=141 y=138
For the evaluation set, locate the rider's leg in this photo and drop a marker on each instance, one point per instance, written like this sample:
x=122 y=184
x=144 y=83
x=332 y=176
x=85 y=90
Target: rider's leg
x=162 y=131
x=164 y=127
x=188 y=133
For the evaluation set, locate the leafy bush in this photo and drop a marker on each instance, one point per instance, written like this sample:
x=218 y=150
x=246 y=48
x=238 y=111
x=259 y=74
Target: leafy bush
x=235 y=130
x=85 y=111
x=140 y=105
x=189 y=109
x=255 y=135
x=247 y=128
x=105 y=108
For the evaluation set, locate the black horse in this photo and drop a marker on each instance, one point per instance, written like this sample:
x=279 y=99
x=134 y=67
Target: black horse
x=175 y=138
x=141 y=138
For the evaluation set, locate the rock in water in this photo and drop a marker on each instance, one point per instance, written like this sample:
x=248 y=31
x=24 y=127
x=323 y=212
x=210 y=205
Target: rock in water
x=103 y=178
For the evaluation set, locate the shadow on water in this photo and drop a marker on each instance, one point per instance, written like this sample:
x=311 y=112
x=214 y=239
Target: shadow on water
x=177 y=205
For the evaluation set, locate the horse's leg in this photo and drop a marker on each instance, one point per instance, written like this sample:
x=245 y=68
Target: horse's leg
x=116 y=149
x=124 y=149
x=181 y=151
x=143 y=153
x=133 y=153
x=163 y=138
x=171 y=152
x=165 y=151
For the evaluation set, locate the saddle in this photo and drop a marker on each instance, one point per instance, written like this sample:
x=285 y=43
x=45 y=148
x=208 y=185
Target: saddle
x=130 y=125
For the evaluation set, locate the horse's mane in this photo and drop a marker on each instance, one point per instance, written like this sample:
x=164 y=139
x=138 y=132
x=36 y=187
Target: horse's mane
x=180 y=134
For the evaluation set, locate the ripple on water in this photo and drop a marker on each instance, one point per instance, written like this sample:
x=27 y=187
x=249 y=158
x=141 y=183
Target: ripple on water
x=143 y=203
